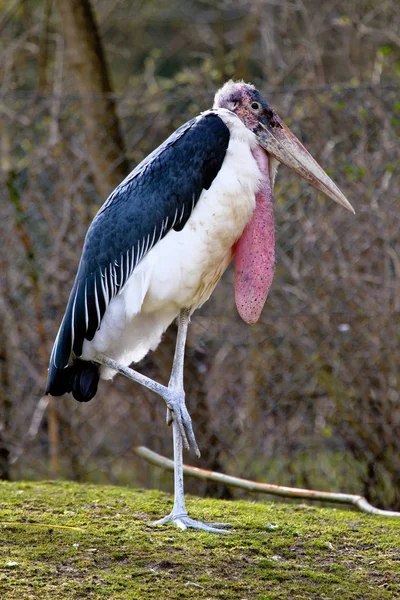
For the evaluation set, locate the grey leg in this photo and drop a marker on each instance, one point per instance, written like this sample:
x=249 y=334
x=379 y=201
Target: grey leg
x=182 y=430
x=179 y=514
x=174 y=405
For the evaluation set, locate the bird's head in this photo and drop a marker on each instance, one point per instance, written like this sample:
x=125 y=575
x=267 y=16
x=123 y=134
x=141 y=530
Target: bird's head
x=254 y=251
x=275 y=137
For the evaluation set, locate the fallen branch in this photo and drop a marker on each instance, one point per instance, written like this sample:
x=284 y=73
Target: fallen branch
x=265 y=488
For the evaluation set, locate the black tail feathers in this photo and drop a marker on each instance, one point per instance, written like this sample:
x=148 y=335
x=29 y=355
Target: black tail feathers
x=81 y=378
x=86 y=380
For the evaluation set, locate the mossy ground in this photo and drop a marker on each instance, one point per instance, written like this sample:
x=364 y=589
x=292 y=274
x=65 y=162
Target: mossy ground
x=275 y=551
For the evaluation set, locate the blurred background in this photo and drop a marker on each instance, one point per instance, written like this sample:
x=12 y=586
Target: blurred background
x=310 y=396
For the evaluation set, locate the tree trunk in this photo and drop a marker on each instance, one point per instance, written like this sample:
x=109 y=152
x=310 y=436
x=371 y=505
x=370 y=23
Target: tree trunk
x=104 y=140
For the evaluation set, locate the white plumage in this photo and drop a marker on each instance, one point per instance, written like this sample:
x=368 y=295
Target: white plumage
x=182 y=269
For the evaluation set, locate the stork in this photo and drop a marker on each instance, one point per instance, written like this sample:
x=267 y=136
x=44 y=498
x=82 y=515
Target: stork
x=162 y=240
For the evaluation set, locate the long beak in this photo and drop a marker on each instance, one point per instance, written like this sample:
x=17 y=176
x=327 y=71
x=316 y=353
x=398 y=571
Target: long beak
x=275 y=137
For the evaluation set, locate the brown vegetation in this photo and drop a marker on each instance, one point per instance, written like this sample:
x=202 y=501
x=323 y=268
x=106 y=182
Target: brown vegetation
x=309 y=396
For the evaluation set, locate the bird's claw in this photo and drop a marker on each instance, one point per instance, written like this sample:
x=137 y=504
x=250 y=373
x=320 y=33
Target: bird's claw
x=183 y=521
x=170 y=416
x=177 y=411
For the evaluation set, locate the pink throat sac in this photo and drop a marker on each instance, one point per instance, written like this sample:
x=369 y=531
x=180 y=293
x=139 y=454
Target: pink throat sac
x=255 y=250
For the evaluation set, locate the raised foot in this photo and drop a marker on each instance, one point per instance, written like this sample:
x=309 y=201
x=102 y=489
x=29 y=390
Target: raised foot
x=176 y=410
x=183 y=521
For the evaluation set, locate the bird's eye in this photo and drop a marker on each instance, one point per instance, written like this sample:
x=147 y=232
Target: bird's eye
x=256 y=106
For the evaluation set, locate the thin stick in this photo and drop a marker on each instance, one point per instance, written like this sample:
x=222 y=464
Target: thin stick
x=266 y=488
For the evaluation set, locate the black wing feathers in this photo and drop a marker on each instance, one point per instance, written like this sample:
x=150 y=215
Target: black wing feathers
x=159 y=195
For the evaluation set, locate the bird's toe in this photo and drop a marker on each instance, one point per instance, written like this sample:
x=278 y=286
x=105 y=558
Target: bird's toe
x=183 y=521
x=176 y=410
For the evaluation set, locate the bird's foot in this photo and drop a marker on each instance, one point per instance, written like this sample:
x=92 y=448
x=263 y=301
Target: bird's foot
x=183 y=521
x=177 y=411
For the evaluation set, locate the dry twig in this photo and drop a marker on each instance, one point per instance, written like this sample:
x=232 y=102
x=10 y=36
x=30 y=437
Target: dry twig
x=265 y=488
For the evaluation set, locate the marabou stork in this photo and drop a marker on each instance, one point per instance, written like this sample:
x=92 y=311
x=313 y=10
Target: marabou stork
x=158 y=246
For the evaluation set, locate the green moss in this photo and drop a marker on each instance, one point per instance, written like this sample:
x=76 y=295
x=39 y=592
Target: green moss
x=276 y=551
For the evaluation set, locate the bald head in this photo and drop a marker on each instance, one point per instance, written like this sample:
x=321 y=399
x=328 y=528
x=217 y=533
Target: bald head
x=232 y=94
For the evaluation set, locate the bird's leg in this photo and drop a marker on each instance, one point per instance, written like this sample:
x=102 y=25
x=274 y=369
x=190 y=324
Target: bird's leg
x=170 y=396
x=179 y=515
x=176 y=407
x=182 y=430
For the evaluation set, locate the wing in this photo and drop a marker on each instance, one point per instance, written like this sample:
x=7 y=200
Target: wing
x=159 y=195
